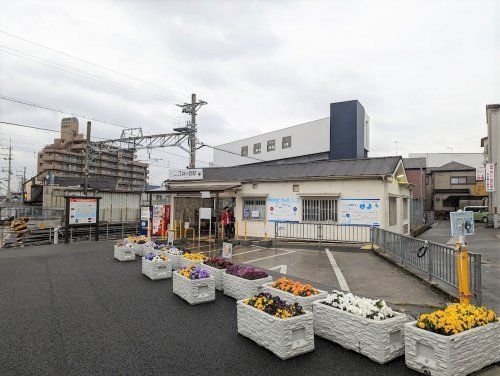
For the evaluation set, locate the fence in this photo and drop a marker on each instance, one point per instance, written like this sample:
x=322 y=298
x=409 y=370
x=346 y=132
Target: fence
x=432 y=261
x=322 y=232
x=32 y=212
x=419 y=216
x=80 y=233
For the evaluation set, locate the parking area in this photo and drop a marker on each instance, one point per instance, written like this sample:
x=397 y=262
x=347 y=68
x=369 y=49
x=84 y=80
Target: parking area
x=348 y=268
x=74 y=310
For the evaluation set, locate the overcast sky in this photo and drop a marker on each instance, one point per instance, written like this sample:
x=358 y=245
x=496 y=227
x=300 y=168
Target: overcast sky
x=424 y=71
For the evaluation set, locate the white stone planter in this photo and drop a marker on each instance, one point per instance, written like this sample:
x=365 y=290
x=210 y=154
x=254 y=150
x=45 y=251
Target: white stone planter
x=455 y=355
x=194 y=291
x=157 y=269
x=380 y=341
x=218 y=274
x=285 y=338
x=138 y=249
x=176 y=259
x=123 y=254
x=305 y=302
x=240 y=288
x=184 y=262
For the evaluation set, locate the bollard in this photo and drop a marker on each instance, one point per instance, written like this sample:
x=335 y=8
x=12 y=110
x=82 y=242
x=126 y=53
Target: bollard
x=245 y=230
x=236 y=228
x=463 y=274
x=265 y=229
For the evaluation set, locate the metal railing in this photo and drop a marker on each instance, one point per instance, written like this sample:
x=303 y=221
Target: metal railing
x=322 y=232
x=432 y=261
x=107 y=231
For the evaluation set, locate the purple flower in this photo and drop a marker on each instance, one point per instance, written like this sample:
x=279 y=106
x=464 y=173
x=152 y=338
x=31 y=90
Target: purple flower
x=246 y=272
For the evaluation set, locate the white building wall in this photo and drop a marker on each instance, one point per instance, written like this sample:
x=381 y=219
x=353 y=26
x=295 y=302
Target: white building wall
x=354 y=188
x=475 y=160
x=307 y=138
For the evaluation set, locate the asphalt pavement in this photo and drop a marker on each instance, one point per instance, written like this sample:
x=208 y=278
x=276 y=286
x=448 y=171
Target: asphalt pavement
x=74 y=310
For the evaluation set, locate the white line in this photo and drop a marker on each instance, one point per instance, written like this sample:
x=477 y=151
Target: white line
x=337 y=271
x=282 y=268
x=268 y=257
x=242 y=253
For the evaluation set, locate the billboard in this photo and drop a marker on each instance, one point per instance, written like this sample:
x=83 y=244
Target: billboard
x=82 y=211
x=489 y=177
x=360 y=211
x=283 y=209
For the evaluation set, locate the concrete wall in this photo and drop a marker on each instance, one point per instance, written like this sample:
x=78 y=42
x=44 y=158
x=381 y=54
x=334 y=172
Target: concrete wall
x=354 y=188
x=307 y=138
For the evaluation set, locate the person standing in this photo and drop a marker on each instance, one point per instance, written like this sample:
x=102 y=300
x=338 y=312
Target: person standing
x=224 y=218
x=231 y=222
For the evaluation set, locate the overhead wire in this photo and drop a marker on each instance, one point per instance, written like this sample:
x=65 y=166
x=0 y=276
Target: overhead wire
x=92 y=63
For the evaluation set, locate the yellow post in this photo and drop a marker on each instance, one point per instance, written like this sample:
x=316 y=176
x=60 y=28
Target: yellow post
x=236 y=229
x=265 y=229
x=189 y=229
x=245 y=230
x=463 y=272
x=222 y=233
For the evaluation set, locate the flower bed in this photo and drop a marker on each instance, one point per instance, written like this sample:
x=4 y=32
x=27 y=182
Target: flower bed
x=188 y=259
x=140 y=243
x=456 y=341
x=364 y=325
x=194 y=285
x=286 y=330
x=216 y=267
x=241 y=282
x=156 y=267
x=295 y=292
x=174 y=254
x=124 y=252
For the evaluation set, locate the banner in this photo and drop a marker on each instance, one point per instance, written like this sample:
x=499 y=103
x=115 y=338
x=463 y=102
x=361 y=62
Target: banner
x=480 y=172
x=362 y=211
x=283 y=209
x=490 y=177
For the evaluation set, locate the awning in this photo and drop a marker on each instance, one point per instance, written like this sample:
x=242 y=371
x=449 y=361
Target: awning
x=195 y=187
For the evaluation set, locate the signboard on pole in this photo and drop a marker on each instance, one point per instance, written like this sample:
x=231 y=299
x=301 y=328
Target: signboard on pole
x=480 y=172
x=360 y=211
x=227 y=250
x=489 y=177
x=185 y=174
x=82 y=211
x=205 y=213
x=283 y=209
x=462 y=223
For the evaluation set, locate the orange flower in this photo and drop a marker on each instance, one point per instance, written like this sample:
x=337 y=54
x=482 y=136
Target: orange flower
x=294 y=287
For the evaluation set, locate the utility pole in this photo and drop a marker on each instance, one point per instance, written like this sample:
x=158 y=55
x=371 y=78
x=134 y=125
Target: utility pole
x=9 y=172
x=192 y=109
x=87 y=160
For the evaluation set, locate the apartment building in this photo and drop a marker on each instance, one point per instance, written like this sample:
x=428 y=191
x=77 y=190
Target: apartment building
x=65 y=158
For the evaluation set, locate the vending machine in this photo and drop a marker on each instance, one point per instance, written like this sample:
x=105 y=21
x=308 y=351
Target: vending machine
x=161 y=219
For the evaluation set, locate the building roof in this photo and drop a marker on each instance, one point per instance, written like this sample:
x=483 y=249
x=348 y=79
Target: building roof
x=96 y=183
x=454 y=166
x=368 y=167
x=412 y=163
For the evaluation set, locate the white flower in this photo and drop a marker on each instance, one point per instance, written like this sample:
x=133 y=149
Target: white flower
x=364 y=307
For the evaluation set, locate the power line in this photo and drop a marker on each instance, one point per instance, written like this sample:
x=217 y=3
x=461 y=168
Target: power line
x=232 y=152
x=92 y=63
x=39 y=128
x=44 y=107
x=83 y=74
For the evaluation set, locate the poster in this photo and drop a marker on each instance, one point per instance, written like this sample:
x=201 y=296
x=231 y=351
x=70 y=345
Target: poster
x=227 y=250
x=82 y=211
x=360 y=211
x=480 y=172
x=462 y=223
x=490 y=177
x=283 y=209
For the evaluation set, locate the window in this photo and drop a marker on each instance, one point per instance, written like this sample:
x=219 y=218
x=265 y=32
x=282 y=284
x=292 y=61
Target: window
x=254 y=208
x=295 y=188
x=320 y=209
x=271 y=145
x=427 y=180
x=256 y=148
x=393 y=211
x=244 y=151
x=456 y=180
x=405 y=208
x=286 y=142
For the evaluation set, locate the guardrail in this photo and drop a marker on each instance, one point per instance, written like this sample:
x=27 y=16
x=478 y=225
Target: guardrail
x=80 y=233
x=432 y=261
x=322 y=232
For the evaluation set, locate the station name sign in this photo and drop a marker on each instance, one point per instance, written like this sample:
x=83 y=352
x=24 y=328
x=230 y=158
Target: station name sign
x=186 y=174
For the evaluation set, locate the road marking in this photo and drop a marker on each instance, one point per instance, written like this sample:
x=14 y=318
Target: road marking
x=268 y=257
x=337 y=271
x=282 y=268
x=242 y=253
